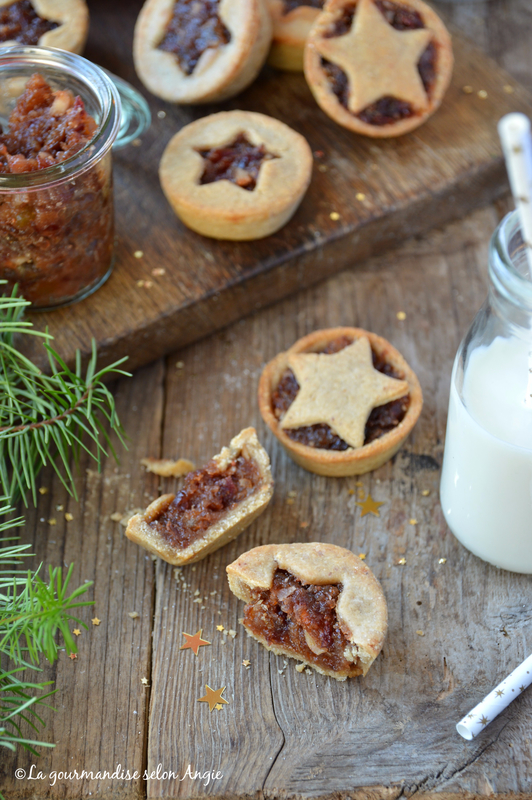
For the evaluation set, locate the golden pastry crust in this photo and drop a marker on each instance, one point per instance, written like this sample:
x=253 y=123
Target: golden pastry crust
x=72 y=17
x=221 y=72
x=329 y=102
x=354 y=461
x=222 y=209
x=361 y=608
x=290 y=33
x=228 y=527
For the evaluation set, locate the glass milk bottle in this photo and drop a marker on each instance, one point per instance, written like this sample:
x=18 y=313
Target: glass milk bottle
x=486 y=485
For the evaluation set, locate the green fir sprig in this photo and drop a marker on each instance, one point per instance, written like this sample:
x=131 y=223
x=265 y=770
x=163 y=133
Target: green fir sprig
x=44 y=418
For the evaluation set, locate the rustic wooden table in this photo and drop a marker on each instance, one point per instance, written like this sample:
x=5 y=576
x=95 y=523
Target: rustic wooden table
x=285 y=733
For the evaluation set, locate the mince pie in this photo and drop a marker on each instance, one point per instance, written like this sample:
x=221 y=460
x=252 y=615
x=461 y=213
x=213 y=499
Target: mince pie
x=341 y=401
x=215 y=504
x=52 y=23
x=378 y=67
x=236 y=174
x=200 y=51
x=315 y=602
x=292 y=21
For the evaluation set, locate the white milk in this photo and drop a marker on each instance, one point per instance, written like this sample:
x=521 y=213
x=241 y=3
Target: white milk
x=486 y=486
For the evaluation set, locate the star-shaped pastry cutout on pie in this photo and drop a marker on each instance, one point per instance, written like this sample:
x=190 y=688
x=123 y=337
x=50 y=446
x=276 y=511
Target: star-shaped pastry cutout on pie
x=379 y=60
x=340 y=390
x=194 y=642
x=213 y=698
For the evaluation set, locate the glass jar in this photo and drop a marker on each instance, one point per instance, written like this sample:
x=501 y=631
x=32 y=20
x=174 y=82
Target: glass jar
x=486 y=485
x=57 y=223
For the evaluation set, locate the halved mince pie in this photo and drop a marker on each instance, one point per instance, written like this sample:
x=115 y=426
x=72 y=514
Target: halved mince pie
x=315 y=602
x=200 y=51
x=378 y=67
x=236 y=175
x=292 y=21
x=52 y=23
x=341 y=401
x=216 y=503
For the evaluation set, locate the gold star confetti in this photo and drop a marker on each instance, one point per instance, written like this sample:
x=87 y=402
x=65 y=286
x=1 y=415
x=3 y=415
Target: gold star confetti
x=323 y=167
x=402 y=562
x=304 y=524
x=246 y=663
x=412 y=521
x=401 y=316
x=158 y=271
x=470 y=716
x=370 y=506
x=484 y=720
x=76 y=632
x=180 y=365
x=425 y=492
x=194 y=642
x=354 y=53
x=69 y=517
x=95 y=621
x=218 y=706
x=52 y=521
x=144 y=681
x=467 y=89
x=360 y=196
x=73 y=656
x=482 y=93
x=508 y=89
x=43 y=490
x=362 y=556
x=335 y=216
x=442 y=561
x=220 y=628
x=213 y=698
x=499 y=692
x=138 y=253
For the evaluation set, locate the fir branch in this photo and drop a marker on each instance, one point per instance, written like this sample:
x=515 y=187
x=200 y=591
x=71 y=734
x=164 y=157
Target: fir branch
x=44 y=418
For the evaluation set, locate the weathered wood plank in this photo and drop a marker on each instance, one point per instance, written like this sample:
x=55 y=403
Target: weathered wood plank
x=102 y=706
x=439 y=172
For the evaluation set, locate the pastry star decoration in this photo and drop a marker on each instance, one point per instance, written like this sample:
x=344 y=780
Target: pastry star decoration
x=340 y=390
x=379 y=60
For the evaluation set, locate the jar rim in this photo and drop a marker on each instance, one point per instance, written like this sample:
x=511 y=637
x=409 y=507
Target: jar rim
x=97 y=81
x=514 y=283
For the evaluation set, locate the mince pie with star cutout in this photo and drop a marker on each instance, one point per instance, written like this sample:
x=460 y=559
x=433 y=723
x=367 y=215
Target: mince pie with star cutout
x=378 y=67
x=200 y=51
x=51 y=23
x=236 y=174
x=315 y=602
x=215 y=504
x=292 y=21
x=341 y=401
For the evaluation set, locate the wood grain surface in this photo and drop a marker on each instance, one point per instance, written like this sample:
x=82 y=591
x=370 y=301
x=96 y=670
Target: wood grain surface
x=286 y=734
x=410 y=184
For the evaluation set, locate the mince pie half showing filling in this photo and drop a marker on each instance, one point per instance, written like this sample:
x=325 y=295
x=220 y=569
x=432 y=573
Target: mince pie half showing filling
x=236 y=174
x=215 y=504
x=315 y=602
x=341 y=401
x=292 y=21
x=378 y=67
x=51 y=23
x=200 y=51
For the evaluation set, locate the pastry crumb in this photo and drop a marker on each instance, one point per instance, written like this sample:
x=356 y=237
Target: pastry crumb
x=300 y=667
x=304 y=524
x=180 y=365
x=43 y=490
x=196 y=593
x=231 y=633
x=335 y=216
x=167 y=468
x=158 y=271
x=442 y=561
x=69 y=517
x=127 y=516
x=290 y=501
x=508 y=89
x=402 y=561
x=292 y=493
x=52 y=521
x=133 y=614
x=467 y=89
x=412 y=521
x=362 y=556
x=116 y=516
x=351 y=491
x=401 y=316
x=360 y=196
x=138 y=253
x=323 y=168
x=482 y=93
x=425 y=492
x=420 y=633
x=308 y=671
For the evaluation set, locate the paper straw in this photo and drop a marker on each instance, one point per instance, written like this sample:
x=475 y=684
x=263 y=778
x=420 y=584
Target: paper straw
x=496 y=701
x=514 y=133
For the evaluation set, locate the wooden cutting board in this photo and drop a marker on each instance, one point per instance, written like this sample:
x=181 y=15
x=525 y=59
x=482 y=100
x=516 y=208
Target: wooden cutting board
x=384 y=192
